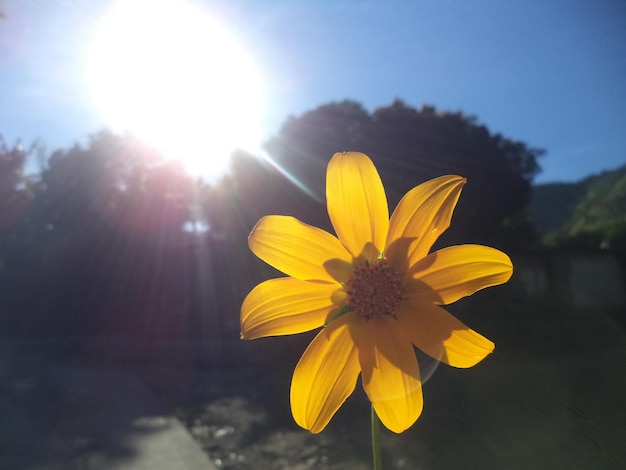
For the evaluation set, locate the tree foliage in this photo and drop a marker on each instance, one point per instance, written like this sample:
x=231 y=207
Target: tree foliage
x=586 y=215
x=410 y=146
x=15 y=189
x=101 y=245
x=112 y=239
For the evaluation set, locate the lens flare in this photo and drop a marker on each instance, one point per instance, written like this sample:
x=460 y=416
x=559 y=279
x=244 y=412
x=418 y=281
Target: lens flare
x=168 y=72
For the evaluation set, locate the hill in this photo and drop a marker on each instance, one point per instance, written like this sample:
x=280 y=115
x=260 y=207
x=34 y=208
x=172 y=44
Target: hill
x=595 y=203
x=586 y=215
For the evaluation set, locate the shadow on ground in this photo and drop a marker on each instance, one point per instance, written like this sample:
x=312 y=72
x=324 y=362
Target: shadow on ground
x=553 y=395
x=58 y=414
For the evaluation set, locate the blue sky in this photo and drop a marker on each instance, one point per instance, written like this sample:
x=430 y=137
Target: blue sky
x=552 y=74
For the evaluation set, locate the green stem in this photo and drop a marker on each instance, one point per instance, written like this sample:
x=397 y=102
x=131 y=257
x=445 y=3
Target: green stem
x=377 y=456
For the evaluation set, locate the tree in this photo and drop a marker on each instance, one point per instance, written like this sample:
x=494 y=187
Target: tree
x=14 y=187
x=256 y=187
x=410 y=146
x=304 y=144
x=102 y=247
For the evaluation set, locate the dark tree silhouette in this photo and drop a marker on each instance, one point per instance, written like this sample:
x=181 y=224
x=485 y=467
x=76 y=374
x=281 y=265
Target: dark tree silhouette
x=305 y=144
x=410 y=146
x=102 y=248
x=254 y=188
x=103 y=243
x=418 y=145
x=15 y=189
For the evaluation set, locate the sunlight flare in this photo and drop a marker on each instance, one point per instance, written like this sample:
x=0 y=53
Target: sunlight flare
x=168 y=72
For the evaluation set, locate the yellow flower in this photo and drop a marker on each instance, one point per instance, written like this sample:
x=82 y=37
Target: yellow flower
x=374 y=289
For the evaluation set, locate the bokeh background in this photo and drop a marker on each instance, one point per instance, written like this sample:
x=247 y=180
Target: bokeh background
x=124 y=220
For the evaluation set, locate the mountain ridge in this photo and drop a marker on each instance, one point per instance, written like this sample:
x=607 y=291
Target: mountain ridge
x=594 y=203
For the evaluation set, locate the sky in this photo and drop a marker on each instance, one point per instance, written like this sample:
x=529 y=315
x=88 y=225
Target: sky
x=551 y=74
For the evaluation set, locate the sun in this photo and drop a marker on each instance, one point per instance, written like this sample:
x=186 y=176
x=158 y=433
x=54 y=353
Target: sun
x=168 y=72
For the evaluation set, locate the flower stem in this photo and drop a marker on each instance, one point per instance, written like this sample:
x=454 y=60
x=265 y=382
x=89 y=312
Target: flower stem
x=378 y=461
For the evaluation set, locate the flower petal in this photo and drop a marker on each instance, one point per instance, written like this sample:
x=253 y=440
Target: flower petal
x=300 y=250
x=421 y=216
x=357 y=204
x=325 y=375
x=390 y=373
x=452 y=273
x=441 y=335
x=287 y=306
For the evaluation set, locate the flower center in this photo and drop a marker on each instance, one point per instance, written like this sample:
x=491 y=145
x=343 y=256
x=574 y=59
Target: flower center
x=374 y=289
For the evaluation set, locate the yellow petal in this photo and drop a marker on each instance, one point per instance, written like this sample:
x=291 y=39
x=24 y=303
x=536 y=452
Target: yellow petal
x=287 y=306
x=441 y=335
x=325 y=375
x=300 y=250
x=390 y=373
x=421 y=216
x=452 y=273
x=357 y=204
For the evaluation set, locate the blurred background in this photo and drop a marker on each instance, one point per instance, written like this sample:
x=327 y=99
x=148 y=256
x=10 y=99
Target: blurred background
x=141 y=141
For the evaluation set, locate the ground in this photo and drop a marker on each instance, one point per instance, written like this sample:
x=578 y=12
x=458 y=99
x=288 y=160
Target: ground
x=553 y=395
